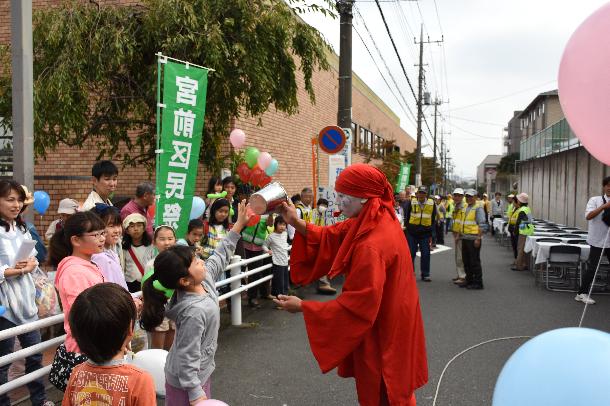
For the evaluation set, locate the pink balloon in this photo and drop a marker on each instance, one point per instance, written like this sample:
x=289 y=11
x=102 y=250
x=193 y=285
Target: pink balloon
x=211 y=402
x=264 y=159
x=584 y=83
x=237 y=138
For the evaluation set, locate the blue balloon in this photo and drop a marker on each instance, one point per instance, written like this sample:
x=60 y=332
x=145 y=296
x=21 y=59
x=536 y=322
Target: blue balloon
x=41 y=201
x=198 y=208
x=2 y=310
x=568 y=366
x=272 y=168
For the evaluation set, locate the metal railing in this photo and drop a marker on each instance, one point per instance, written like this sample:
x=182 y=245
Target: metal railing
x=557 y=137
x=234 y=294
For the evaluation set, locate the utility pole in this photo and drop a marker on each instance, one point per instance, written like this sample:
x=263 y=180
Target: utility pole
x=23 y=91
x=436 y=103
x=420 y=102
x=344 y=115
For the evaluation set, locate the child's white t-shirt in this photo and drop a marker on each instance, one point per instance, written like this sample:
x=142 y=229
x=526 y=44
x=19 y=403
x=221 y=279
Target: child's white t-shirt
x=278 y=244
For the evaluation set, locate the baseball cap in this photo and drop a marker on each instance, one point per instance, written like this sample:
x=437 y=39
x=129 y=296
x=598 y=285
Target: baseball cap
x=458 y=191
x=470 y=192
x=133 y=219
x=67 y=206
x=422 y=189
x=523 y=197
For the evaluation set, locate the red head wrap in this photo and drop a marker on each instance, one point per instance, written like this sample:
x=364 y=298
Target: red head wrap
x=367 y=182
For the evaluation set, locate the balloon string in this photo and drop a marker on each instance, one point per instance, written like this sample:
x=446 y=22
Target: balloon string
x=599 y=262
x=438 y=385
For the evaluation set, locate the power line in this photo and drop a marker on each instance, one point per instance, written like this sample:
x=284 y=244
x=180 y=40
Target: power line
x=475 y=121
x=503 y=97
x=475 y=134
x=404 y=71
x=385 y=80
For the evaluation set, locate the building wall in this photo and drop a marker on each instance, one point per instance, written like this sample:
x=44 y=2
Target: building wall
x=514 y=134
x=553 y=111
x=561 y=184
x=66 y=172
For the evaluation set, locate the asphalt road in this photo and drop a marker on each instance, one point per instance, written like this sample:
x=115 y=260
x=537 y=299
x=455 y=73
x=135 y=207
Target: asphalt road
x=267 y=361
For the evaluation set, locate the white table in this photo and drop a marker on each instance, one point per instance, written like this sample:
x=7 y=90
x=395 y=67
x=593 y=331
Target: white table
x=532 y=240
x=541 y=250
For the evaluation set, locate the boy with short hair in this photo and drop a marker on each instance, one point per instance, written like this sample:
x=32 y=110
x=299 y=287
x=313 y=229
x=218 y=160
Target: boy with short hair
x=104 y=175
x=102 y=320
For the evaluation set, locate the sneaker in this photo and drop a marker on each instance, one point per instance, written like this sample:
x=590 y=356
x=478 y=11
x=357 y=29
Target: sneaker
x=326 y=290
x=48 y=403
x=426 y=279
x=459 y=281
x=583 y=297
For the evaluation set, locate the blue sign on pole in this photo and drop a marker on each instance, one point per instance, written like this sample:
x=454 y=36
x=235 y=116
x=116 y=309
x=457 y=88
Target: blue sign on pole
x=331 y=139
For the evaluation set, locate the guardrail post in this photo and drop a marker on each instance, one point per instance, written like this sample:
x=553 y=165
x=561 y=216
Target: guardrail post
x=236 y=299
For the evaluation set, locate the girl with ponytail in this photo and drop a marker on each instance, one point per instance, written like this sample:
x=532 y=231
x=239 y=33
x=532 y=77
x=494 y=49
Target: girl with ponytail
x=182 y=288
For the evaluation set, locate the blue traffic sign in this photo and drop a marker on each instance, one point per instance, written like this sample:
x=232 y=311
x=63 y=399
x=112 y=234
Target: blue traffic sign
x=332 y=139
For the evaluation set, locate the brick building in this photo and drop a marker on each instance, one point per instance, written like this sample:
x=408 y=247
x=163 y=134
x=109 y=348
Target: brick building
x=66 y=171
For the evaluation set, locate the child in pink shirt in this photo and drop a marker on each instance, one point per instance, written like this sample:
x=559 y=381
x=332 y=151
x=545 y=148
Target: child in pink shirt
x=71 y=248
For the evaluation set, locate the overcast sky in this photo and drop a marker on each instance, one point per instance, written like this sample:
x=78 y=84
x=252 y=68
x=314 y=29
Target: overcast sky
x=496 y=57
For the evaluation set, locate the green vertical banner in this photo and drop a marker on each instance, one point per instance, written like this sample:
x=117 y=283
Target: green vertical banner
x=182 y=120
x=403 y=177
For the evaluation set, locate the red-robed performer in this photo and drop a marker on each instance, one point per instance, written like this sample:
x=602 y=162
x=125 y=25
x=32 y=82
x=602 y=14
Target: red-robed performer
x=373 y=331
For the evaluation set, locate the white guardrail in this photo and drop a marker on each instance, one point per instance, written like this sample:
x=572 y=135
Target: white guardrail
x=235 y=281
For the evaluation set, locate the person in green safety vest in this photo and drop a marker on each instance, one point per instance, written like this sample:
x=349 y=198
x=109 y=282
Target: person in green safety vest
x=253 y=238
x=524 y=226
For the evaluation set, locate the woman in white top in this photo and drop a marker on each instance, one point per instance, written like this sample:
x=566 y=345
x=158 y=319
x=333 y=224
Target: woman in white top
x=17 y=290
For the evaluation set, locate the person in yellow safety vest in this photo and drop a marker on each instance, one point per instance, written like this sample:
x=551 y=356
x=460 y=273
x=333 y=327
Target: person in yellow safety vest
x=472 y=227
x=439 y=225
x=487 y=206
x=524 y=226
x=512 y=221
x=421 y=215
x=305 y=212
x=450 y=205
x=458 y=196
x=510 y=208
x=319 y=213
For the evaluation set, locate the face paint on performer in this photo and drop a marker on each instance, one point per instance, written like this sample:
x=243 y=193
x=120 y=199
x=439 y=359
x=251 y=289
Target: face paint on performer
x=350 y=206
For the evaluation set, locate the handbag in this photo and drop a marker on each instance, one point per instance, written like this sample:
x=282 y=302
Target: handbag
x=63 y=364
x=46 y=295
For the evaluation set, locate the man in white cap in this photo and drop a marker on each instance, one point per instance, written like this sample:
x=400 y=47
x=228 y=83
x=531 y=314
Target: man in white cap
x=497 y=209
x=473 y=223
x=524 y=226
x=456 y=226
x=67 y=207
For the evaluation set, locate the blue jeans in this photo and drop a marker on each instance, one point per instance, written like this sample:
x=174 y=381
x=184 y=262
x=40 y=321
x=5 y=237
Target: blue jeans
x=32 y=363
x=424 y=247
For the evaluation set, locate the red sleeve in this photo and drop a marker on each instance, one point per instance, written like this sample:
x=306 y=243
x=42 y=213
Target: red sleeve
x=335 y=328
x=312 y=255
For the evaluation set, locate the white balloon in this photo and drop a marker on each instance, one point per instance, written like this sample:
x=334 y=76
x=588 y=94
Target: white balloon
x=153 y=362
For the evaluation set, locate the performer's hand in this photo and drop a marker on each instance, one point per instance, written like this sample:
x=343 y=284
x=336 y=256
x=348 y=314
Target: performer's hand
x=291 y=304
x=477 y=243
x=289 y=213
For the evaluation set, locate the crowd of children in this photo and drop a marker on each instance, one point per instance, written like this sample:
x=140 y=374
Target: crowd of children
x=100 y=258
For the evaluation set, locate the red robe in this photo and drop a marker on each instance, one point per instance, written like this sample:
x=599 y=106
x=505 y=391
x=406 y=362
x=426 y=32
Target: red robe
x=374 y=329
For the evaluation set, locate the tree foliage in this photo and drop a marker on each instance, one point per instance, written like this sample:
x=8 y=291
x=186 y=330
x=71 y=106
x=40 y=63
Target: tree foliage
x=507 y=163
x=95 y=68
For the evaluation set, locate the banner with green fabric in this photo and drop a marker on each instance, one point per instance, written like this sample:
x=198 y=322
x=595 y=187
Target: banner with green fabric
x=181 y=114
x=403 y=177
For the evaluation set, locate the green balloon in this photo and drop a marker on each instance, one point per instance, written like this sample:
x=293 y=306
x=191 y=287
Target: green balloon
x=251 y=156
